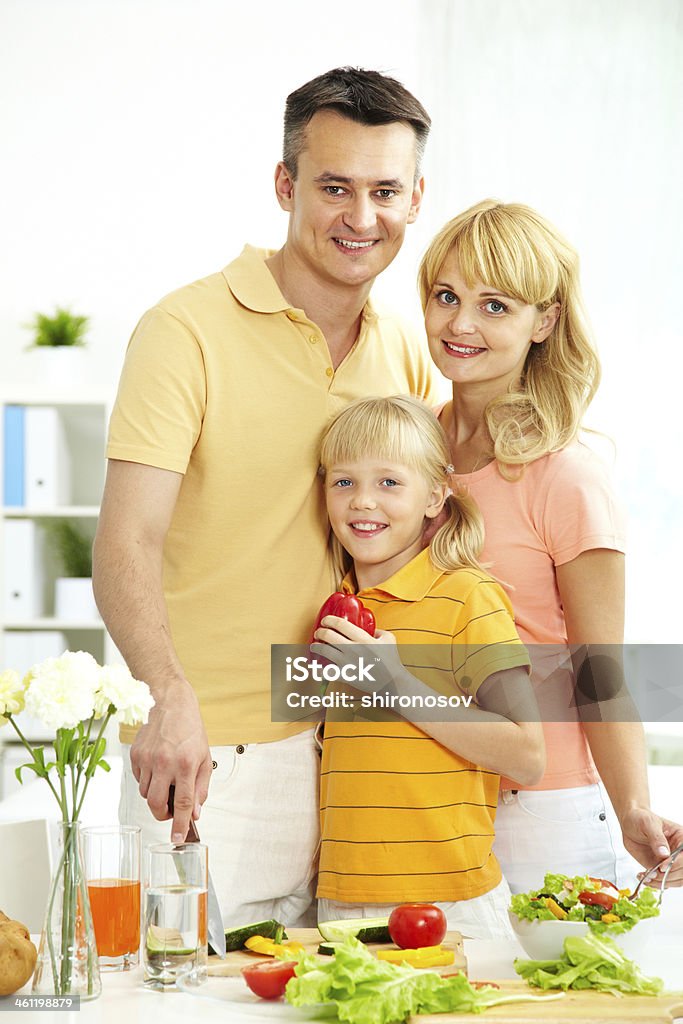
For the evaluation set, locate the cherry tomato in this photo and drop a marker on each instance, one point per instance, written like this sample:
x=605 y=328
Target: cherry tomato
x=268 y=980
x=417 y=924
x=597 y=899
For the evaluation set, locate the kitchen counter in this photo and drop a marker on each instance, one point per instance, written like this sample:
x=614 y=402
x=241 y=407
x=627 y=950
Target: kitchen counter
x=125 y=1000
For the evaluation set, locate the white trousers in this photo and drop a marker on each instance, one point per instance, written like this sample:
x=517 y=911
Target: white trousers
x=484 y=917
x=260 y=823
x=565 y=831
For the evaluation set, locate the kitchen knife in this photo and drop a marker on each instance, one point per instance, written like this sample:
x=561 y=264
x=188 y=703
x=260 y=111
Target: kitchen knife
x=215 y=920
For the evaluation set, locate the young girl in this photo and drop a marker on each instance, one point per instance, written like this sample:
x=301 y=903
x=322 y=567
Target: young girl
x=500 y=291
x=407 y=810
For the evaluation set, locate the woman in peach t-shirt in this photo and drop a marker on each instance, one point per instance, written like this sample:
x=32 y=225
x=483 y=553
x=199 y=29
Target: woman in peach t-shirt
x=500 y=292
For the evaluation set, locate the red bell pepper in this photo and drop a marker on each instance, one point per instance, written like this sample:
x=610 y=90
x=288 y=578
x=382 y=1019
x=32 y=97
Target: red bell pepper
x=349 y=607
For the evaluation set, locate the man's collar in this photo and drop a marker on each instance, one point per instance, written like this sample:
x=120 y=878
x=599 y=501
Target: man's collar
x=252 y=283
x=411 y=583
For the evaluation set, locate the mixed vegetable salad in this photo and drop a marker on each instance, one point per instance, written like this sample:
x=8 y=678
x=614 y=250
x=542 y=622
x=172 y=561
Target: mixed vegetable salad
x=583 y=898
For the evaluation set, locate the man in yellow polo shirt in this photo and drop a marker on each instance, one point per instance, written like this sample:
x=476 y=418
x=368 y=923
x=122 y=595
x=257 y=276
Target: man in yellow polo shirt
x=212 y=506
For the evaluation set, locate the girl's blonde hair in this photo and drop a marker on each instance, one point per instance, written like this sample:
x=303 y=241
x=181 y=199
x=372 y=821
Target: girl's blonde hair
x=405 y=430
x=512 y=248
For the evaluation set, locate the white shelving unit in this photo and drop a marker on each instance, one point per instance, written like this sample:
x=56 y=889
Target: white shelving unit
x=82 y=424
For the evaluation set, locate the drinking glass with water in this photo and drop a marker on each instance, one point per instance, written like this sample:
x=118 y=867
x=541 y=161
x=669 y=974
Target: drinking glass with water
x=174 y=934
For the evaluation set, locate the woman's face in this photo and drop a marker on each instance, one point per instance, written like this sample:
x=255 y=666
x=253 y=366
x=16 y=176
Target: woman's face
x=480 y=335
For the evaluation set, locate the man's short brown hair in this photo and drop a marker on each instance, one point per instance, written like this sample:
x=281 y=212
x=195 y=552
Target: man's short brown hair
x=367 y=97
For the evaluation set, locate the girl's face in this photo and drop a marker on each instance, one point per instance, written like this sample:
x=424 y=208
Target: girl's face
x=479 y=335
x=377 y=511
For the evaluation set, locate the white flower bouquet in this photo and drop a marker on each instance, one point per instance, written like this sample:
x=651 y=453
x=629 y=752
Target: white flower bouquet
x=77 y=698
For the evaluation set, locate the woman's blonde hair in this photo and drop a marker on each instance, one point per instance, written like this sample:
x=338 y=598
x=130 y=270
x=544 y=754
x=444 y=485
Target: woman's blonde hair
x=512 y=248
x=405 y=430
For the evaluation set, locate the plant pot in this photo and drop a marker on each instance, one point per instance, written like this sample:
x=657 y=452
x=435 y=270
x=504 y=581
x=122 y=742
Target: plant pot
x=63 y=367
x=74 y=600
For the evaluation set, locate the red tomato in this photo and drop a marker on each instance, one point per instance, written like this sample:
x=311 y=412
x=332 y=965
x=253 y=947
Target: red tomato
x=597 y=899
x=417 y=924
x=268 y=980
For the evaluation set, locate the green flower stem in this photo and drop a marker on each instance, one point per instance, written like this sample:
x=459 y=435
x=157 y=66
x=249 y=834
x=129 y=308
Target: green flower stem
x=50 y=942
x=63 y=802
x=74 y=792
x=68 y=907
x=30 y=750
x=92 y=762
x=84 y=736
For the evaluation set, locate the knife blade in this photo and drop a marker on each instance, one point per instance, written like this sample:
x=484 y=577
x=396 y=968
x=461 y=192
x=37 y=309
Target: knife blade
x=214 y=918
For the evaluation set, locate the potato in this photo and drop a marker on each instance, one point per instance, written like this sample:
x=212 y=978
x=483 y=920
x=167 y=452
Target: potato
x=18 y=955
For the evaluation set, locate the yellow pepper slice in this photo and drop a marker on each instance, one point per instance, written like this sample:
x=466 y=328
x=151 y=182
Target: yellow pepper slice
x=610 y=918
x=425 y=956
x=556 y=909
x=259 y=944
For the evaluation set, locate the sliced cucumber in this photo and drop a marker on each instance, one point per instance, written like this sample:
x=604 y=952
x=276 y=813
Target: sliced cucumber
x=365 y=929
x=236 y=937
x=328 y=948
x=166 y=941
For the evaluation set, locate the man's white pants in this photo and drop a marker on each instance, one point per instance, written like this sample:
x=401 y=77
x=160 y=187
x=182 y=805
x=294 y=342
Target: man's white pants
x=260 y=823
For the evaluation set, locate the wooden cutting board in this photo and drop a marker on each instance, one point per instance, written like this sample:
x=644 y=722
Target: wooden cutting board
x=310 y=939
x=578 y=1007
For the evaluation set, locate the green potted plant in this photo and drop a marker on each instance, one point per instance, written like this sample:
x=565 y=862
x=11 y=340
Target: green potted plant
x=62 y=330
x=73 y=589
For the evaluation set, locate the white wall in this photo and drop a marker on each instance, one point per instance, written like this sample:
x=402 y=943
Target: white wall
x=139 y=139
x=576 y=107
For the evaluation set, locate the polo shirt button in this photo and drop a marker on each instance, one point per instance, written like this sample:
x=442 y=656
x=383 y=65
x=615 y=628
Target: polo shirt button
x=313 y=339
x=329 y=371
x=602 y=816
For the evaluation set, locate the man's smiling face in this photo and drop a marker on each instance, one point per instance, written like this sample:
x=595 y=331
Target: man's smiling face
x=352 y=198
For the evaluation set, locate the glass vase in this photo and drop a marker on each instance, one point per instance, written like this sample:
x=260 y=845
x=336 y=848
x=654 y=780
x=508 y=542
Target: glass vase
x=67 y=955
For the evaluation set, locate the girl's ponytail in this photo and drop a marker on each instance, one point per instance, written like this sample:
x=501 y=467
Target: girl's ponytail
x=459 y=542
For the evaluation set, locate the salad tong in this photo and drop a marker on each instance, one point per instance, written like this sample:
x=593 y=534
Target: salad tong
x=671 y=857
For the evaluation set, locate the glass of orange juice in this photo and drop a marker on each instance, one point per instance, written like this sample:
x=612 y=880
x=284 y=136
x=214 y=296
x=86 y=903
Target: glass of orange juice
x=112 y=868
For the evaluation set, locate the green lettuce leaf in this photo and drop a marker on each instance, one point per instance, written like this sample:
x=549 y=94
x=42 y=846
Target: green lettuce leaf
x=590 y=962
x=630 y=912
x=555 y=884
x=530 y=908
x=366 y=990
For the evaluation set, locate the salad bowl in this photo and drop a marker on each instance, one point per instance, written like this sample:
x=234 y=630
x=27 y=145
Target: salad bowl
x=574 y=906
x=544 y=940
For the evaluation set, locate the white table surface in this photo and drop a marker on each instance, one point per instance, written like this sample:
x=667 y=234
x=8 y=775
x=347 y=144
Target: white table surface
x=125 y=1000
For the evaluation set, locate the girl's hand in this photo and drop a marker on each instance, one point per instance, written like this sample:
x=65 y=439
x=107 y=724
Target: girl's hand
x=345 y=644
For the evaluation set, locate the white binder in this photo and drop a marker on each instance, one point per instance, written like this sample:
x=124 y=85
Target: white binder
x=46 y=458
x=22 y=579
x=23 y=650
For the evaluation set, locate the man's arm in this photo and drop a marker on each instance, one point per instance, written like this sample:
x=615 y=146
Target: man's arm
x=592 y=591
x=172 y=749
